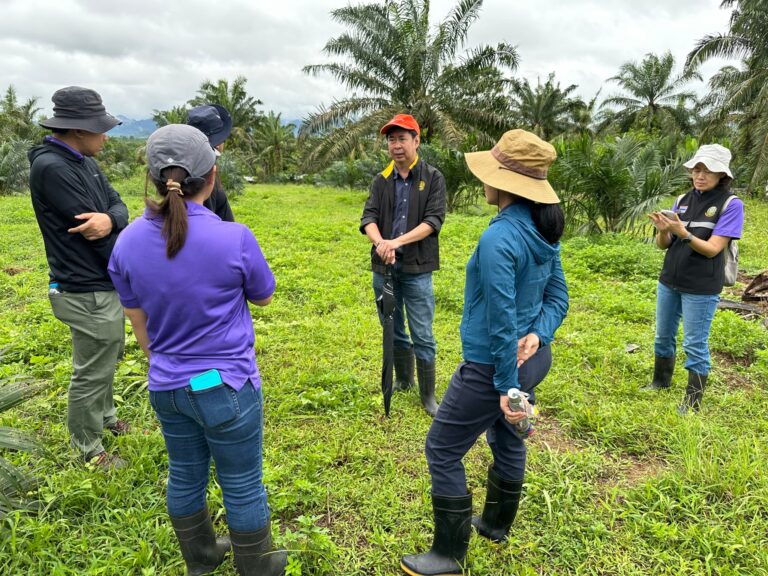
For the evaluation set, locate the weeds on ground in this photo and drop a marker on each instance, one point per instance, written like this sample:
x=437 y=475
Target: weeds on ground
x=617 y=483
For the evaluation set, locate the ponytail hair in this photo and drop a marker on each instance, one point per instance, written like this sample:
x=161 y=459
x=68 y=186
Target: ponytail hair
x=174 y=183
x=549 y=220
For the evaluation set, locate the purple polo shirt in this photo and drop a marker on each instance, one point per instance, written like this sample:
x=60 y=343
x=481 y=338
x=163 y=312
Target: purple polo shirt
x=196 y=303
x=731 y=221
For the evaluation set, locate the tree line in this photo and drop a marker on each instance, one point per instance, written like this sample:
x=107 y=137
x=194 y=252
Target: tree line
x=618 y=155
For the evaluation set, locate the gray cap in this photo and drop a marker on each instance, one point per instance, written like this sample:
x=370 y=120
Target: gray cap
x=179 y=145
x=76 y=108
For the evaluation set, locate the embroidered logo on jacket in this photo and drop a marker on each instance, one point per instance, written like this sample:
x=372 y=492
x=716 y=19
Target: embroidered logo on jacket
x=711 y=211
x=422 y=185
x=682 y=209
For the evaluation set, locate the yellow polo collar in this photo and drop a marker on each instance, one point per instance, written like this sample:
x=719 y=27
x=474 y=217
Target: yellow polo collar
x=387 y=172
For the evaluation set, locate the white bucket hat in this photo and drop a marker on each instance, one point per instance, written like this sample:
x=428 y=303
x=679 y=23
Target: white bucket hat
x=715 y=157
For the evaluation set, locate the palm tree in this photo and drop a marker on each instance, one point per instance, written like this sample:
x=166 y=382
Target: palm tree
x=740 y=94
x=176 y=115
x=18 y=120
x=609 y=185
x=546 y=109
x=393 y=61
x=242 y=107
x=274 y=141
x=653 y=97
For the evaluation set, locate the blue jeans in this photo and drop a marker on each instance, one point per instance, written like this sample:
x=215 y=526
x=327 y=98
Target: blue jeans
x=222 y=423
x=697 y=311
x=415 y=299
x=469 y=408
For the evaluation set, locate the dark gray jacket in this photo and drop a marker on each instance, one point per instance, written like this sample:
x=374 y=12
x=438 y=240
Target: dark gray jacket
x=426 y=204
x=218 y=203
x=61 y=186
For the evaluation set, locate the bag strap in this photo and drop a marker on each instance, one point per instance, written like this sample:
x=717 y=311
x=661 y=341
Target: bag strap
x=727 y=201
x=732 y=241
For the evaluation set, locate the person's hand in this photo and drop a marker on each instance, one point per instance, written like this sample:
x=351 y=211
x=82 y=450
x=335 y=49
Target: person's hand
x=97 y=225
x=666 y=224
x=509 y=416
x=386 y=250
x=527 y=346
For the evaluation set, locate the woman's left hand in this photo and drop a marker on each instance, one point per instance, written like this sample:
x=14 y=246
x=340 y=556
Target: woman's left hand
x=509 y=416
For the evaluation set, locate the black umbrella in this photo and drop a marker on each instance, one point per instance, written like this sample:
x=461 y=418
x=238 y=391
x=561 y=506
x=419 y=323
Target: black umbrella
x=386 y=305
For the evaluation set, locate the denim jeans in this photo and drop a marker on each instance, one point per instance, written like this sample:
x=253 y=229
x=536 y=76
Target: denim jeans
x=97 y=325
x=222 y=423
x=697 y=311
x=469 y=408
x=415 y=300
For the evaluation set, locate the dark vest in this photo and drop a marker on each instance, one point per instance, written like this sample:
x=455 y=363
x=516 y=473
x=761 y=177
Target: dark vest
x=685 y=270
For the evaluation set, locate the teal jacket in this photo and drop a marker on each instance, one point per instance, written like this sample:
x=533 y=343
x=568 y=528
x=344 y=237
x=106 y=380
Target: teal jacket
x=514 y=286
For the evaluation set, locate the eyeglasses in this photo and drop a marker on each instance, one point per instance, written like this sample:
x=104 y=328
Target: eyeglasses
x=702 y=172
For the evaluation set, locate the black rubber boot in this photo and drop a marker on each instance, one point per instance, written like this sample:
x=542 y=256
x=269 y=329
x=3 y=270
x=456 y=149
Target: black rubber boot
x=254 y=555
x=426 y=374
x=693 y=393
x=501 y=502
x=453 y=525
x=202 y=551
x=403 y=369
x=662 y=373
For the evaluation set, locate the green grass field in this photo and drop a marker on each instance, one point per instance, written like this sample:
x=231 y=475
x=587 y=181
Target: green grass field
x=617 y=483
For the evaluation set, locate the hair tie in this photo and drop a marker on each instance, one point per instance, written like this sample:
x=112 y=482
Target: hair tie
x=173 y=186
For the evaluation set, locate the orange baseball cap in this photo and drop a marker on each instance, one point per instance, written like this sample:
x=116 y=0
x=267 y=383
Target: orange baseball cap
x=404 y=121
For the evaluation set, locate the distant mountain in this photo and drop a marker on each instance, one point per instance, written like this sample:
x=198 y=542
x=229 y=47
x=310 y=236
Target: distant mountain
x=133 y=128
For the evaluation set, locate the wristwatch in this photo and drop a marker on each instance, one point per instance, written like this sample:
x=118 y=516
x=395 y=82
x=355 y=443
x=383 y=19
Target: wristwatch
x=687 y=239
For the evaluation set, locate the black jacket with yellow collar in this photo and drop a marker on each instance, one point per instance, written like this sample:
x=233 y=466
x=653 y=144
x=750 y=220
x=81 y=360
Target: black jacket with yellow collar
x=426 y=204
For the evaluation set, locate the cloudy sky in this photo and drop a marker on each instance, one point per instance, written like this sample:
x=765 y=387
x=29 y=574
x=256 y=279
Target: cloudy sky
x=143 y=54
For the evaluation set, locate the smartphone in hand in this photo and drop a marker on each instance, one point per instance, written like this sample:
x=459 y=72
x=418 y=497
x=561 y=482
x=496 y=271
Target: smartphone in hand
x=671 y=214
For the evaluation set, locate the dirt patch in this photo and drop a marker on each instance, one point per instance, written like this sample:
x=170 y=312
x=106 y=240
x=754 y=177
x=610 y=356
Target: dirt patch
x=550 y=433
x=729 y=374
x=635 y=470
x=13 y=270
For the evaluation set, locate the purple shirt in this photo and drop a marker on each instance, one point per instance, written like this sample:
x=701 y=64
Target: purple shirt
x=731 y=221
x=197 y=314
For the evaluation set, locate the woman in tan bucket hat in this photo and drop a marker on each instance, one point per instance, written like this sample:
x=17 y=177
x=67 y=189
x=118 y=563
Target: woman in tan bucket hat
x=515 y=298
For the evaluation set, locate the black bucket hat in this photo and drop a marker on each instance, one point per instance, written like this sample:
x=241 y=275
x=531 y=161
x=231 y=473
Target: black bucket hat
x=212 y=120
x=76 y=108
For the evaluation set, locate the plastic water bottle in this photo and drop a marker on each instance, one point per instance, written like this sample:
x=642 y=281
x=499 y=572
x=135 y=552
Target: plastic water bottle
x=517 y=404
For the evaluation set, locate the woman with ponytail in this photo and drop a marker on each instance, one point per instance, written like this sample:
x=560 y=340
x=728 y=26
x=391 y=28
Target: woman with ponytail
x=515 y=298
x=185 y=278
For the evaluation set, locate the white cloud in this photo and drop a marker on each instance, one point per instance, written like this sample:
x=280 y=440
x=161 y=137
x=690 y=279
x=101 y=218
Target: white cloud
x=143 y=55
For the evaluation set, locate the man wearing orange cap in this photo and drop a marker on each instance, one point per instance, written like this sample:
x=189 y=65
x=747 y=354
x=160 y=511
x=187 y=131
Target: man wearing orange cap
x=402 y=219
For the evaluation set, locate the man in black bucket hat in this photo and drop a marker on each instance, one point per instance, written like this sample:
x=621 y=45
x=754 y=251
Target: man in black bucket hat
x=80 y=216
x=215 y=122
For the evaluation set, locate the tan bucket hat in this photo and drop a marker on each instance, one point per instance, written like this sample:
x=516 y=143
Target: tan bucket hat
x=518 y=164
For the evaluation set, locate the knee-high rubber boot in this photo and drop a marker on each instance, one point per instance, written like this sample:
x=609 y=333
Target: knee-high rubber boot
x=426 y=375
x=693 y=393
x=662 y=373
x=453 y=524
x=403 y=358
x=202 y=551
x=501 y=502
x=254 y=555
